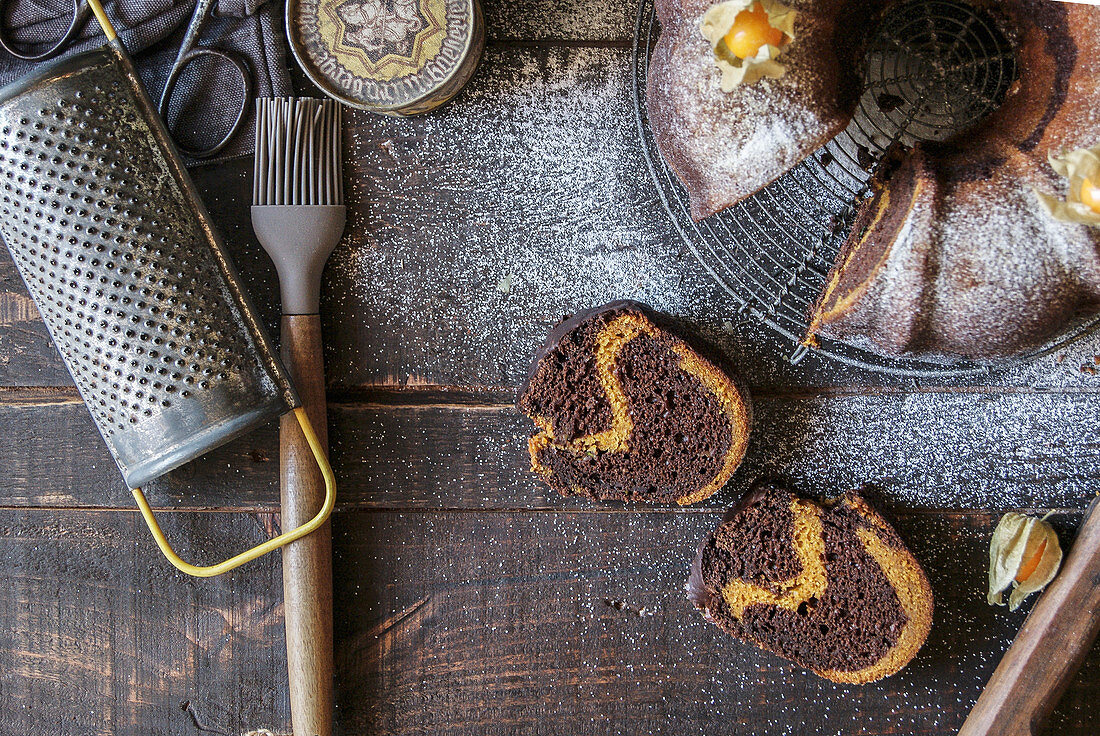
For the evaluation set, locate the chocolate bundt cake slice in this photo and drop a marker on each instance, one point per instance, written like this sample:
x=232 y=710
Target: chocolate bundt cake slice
x=628 y=411
x=725 y=145
x=830 y=587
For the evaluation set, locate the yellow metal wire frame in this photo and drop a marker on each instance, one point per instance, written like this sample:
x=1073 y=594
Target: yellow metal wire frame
x=261 y=549
x=104 y=21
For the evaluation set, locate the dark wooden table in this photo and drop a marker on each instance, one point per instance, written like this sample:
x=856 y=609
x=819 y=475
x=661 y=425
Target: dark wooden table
x=470 y=599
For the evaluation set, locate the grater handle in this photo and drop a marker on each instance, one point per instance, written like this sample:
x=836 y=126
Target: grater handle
x=104 y=21
x=208 y=571
x=307 y=564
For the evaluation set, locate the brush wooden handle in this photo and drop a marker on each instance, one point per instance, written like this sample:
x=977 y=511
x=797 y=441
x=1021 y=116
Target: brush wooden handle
x=307 y=563
x=1050 y=648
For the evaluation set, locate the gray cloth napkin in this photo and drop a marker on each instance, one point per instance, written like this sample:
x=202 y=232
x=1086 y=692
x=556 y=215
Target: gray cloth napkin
x=208 y=95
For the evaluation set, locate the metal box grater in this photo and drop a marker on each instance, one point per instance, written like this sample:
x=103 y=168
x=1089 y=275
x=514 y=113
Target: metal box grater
x=128 y=273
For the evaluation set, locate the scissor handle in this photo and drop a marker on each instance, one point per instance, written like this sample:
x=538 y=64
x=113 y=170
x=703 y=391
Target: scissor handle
x=238 y=63
x=81 y=12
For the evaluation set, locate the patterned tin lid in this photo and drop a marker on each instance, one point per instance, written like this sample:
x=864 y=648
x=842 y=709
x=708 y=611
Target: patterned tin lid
x=393 y=56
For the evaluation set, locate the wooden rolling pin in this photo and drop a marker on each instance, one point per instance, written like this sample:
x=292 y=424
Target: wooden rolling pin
x=1050 y=648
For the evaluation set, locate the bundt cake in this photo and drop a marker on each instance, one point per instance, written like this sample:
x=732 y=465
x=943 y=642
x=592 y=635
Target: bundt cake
x=830 y=587
x=955 y=256
x=724 y=146
x=627 y=410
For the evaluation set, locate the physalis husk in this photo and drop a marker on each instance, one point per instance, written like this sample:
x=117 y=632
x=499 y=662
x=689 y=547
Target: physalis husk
x=1024 y=554
x=1082 y=203
x=747 y=36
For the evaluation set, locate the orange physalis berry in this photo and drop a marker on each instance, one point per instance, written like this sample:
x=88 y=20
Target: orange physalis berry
x=751 y=30
x=1028 y=568
x=1090 y=195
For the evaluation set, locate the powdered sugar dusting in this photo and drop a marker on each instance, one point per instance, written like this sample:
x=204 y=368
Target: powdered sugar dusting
x=534 y=176
x=564 y=218
x=930 y=450
x=1006 y=266
x=727 y=145
x=978 y=267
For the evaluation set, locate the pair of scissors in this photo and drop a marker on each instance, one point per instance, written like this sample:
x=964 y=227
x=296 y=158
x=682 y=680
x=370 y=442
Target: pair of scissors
x=190 y=51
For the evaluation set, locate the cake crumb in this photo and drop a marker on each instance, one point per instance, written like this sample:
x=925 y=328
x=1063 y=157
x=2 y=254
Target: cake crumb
x=621 y=605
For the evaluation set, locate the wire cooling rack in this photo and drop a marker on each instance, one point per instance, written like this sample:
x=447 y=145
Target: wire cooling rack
x=932 y=68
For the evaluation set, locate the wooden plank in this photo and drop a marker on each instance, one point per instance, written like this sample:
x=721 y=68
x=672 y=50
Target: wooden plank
x=577 y=623
x=533 y=180
x=54 y=448
x=995 y=452
x=102 y=636
x=27 y=356
x=919 y=450
x=455 y=623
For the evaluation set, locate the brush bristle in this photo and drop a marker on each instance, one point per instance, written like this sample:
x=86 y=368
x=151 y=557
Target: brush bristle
x=298 y=152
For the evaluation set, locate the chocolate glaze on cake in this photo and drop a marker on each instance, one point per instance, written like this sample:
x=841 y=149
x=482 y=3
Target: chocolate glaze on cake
x=954 y=256
x=628 y=410
x=831 y=588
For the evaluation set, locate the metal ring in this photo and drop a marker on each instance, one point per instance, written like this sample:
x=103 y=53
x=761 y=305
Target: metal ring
x=81 y=12
x=246 y=95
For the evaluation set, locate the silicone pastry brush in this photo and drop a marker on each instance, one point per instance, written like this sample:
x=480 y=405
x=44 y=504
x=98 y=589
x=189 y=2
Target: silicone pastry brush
x=298 y=215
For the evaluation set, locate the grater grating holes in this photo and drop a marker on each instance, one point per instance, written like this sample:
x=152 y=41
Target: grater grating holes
x=69 y=181
x=126 y=270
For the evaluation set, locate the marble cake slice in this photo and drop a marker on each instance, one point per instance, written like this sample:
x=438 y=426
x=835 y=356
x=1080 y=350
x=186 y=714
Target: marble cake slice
x=831 y=587
x=627 y=410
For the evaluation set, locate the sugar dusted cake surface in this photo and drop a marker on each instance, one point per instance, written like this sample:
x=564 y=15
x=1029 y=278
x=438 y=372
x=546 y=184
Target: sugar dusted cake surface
x=724 y=146
x=968 y=264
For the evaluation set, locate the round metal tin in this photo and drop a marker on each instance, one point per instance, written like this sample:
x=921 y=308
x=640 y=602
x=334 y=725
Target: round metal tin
x=399 y=57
